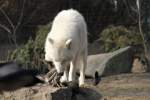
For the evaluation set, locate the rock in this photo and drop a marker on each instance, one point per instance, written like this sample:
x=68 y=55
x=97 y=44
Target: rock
x=13 y=77
x=46 y=92
x=138 y=67
x=116 y=62
x=82 y=94
x=115 y=87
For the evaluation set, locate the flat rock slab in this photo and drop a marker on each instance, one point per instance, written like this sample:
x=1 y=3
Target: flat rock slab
x=46 y=92
x=116 y=87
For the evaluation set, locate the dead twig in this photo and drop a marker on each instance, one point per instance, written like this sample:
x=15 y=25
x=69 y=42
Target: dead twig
x=14 y=29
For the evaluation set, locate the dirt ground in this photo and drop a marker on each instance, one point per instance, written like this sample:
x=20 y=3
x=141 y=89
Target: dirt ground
x=125 y=87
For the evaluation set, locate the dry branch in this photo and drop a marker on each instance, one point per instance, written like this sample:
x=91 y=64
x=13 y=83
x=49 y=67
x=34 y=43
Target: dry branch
x=12 y=32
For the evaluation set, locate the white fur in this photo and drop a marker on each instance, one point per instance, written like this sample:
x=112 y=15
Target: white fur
x=66 y=44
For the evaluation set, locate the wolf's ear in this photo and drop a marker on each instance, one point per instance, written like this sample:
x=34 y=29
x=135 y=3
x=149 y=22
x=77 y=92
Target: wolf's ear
x=68 y=43
x=51 y=40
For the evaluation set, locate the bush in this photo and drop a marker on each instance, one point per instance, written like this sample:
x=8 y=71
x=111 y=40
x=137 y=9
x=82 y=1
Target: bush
x=115 y=37
x=31 y=55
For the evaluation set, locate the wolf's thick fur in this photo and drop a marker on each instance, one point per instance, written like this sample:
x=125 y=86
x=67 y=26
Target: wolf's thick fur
x=66 y=43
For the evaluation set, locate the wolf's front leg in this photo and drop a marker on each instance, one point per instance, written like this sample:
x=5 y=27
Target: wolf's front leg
x=82 y=76
x=83 y=64
x=72 y=71
x=64 y=78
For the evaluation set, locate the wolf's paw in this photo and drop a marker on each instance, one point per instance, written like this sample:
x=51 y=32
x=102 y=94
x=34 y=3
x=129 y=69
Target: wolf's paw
x=84 y=85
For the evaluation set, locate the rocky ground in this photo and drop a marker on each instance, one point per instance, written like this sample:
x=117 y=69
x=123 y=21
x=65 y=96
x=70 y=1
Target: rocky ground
x=125 y=87
x=115 y=87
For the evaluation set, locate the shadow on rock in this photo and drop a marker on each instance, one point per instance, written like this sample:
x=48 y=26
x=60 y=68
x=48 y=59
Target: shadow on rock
x=76 y=94
x=13 y=77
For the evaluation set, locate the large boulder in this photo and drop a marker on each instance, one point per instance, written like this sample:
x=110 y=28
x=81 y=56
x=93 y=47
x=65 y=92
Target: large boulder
x=116 y=62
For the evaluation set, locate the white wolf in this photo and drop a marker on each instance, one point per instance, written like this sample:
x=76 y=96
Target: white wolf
x=66 y=44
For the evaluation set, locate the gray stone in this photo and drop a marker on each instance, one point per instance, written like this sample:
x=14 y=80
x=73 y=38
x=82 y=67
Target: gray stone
x=116 y=62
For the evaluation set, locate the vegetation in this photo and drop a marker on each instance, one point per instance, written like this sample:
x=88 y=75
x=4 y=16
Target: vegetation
x=115 y=37
x=31 y=55
x=98 y=15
